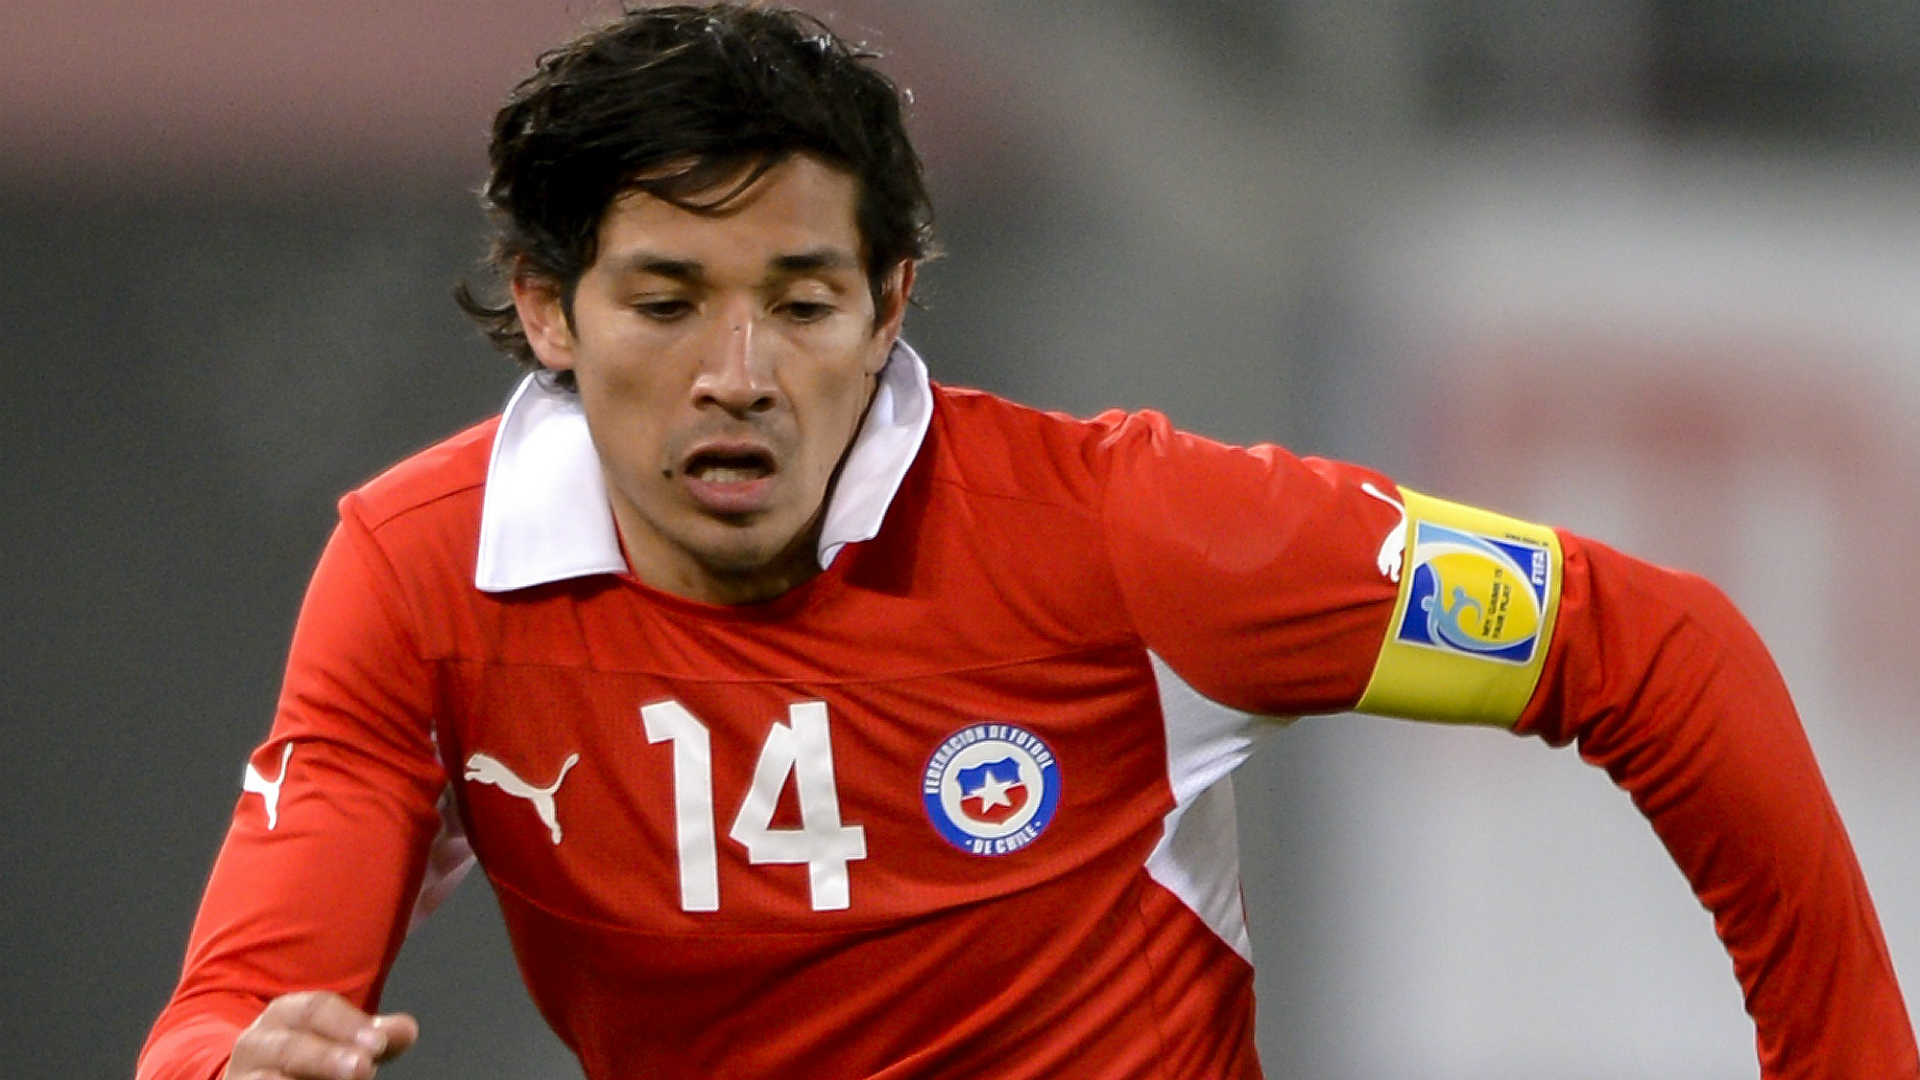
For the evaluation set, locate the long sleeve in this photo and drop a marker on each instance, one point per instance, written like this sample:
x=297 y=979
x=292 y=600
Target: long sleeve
x=1268 y=583
x=329 y=840
x=1662 y=683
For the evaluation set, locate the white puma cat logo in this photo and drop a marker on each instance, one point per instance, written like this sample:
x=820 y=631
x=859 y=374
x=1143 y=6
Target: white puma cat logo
x=269 y=792
x=489 y=770
x=1393 y=549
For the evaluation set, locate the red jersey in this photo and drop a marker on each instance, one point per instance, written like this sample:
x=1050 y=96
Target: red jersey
x=959 y=806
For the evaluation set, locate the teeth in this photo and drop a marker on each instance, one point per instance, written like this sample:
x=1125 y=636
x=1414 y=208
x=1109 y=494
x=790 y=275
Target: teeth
x=730 y=474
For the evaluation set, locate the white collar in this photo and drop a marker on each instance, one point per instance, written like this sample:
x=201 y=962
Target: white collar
x=546 y=518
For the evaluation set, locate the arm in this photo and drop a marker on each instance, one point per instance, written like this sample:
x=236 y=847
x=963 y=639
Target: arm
x=1663 y=684
x=320 y=868
x=1273 y=585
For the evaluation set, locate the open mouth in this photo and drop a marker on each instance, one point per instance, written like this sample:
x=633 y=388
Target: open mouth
x=730 y=466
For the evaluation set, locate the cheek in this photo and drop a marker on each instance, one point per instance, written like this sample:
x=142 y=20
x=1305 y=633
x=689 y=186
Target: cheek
x=627 y=420
x=839 y=400
x=632 y=373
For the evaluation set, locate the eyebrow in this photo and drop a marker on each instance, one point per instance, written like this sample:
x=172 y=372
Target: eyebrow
x=807 y=262
x=646 y=262
x=795 y=264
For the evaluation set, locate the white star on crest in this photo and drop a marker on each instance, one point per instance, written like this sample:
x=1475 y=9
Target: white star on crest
x=992 y=792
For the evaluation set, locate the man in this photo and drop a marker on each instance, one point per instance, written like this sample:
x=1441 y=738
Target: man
x=961 y=683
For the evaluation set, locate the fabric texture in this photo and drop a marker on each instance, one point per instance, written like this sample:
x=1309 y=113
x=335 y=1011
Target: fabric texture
x=1060 y=641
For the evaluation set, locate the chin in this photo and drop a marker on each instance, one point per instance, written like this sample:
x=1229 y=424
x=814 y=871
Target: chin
x=744 y=554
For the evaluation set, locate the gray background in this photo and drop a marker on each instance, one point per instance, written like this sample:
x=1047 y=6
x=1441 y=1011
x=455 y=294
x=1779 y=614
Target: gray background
x=228 y=233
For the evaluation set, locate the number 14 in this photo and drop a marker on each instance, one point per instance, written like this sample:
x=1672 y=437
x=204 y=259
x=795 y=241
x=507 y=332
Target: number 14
x=801 y=748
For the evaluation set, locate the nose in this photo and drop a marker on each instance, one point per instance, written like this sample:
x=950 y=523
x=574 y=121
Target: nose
x=735 y=373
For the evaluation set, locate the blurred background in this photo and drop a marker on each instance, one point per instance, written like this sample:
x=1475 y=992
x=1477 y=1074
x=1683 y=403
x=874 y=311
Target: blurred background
x=1646 y=268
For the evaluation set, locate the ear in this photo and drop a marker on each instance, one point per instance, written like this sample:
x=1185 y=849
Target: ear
x=543 y=318
x=893 y=311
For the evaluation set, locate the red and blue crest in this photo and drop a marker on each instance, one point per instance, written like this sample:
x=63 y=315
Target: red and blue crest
x=991 y=788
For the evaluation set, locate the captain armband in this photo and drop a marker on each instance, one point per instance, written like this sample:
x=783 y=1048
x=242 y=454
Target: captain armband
x=1474 y=617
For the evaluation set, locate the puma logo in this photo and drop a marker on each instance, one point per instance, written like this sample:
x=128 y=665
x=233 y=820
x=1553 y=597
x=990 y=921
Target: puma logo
x=1393 y=549
x=269 y=792
x=489 y=770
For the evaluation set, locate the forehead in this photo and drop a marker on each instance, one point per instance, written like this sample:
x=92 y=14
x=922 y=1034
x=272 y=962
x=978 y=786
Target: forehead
x=800 y=206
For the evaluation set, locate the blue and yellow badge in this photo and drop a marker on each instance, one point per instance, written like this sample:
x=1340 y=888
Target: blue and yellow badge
x=1475 y=594
x=1474 y=616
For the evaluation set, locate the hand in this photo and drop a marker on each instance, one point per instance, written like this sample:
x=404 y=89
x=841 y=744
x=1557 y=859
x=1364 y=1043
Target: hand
x=315 y=1035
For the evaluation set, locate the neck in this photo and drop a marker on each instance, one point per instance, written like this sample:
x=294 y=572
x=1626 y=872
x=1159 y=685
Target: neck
x=750 y=579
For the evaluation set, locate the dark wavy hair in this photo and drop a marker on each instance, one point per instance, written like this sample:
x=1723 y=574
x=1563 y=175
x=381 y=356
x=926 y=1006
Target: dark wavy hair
x=690 y=104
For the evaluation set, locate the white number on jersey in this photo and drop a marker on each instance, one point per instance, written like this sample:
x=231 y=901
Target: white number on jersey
x=669 y=721
x=826 y=846
x=801 y=748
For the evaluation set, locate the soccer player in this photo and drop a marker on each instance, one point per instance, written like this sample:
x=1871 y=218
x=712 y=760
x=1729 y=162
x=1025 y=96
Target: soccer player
x=814 y=719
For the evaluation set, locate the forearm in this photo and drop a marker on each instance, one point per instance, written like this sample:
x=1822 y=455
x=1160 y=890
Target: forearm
x=1663 y=684
x=331 y=834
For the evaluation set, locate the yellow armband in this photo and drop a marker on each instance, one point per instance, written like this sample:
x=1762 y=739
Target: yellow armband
x=1470 y=629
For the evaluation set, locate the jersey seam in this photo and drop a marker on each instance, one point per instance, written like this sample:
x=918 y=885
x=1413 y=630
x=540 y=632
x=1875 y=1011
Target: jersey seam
x=932 y=673
x=1068 y=505
x=413 y=506
x=406 y=622
x=1100 y=525
x=1153 y=974
x=844 y=929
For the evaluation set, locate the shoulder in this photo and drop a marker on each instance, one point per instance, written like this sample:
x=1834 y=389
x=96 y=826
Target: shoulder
x=448 y=469
x=992 y=446
x=426 y=508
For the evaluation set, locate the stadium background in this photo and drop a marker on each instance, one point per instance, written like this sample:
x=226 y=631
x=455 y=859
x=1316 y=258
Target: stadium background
x=1650 y=268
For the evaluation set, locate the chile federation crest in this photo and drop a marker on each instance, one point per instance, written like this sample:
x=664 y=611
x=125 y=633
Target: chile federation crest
x=991 y=789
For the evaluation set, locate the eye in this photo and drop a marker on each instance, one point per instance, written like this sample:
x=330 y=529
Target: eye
x=805 y=311
x=664 y=310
